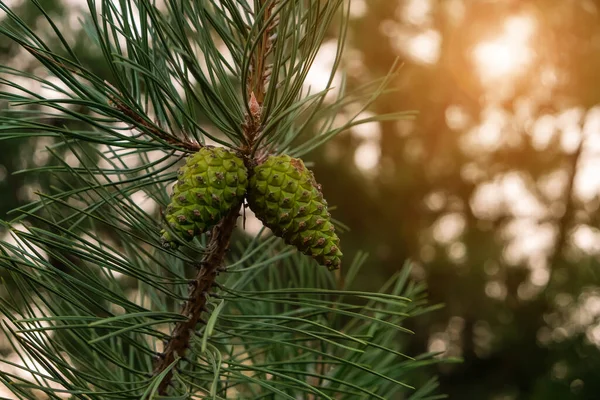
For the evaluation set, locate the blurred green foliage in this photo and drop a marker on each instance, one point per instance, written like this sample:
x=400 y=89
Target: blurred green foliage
x=492 y=188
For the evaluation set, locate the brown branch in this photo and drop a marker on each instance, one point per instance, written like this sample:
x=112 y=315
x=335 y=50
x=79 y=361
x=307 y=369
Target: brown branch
x=198 y=297
x=125 y=109
x=260 y=69
x=256 y=82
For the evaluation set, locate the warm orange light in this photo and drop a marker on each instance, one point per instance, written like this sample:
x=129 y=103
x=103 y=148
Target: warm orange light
x=509 y=53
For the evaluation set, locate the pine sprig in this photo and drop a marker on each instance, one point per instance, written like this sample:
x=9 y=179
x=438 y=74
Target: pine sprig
x=98 y=308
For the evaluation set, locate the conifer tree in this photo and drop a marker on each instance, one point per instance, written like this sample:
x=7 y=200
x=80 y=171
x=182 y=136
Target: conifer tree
x=127 y=277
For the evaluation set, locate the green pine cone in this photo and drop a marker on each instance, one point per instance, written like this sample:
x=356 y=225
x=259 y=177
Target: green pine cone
x=284 y=195
x=211 y=182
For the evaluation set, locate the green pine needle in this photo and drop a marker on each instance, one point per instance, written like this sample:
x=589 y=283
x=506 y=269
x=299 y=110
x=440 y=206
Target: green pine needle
x=93 y=293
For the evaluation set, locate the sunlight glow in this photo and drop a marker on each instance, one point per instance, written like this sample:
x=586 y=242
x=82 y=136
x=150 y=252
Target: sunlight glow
x=507 y=54
x=369 y=130
x=425 y=47
x=320 y=72
x=416 y=12
x=358 y=9
x=367 y=155
x=449 y=227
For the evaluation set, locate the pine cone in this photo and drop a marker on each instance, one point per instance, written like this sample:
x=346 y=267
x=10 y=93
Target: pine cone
x=284 y=195
x=211 y=182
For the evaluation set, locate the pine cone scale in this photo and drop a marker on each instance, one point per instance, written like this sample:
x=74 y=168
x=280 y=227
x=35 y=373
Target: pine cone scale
x=211 y=182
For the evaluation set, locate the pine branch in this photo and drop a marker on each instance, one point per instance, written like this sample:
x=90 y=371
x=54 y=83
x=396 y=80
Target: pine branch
x=259 y=67
x=285 y=326
x=187 y=144
x=200 y=289
x=220 y=236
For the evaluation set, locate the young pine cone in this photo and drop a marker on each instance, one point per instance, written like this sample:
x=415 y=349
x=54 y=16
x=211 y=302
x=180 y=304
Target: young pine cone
x=284 y=195
x=211 y=182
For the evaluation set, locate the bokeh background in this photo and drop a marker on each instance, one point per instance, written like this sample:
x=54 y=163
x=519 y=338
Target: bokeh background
x=492 y=190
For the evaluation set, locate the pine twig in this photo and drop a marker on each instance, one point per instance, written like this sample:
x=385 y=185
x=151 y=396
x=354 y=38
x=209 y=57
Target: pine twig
x=199 y=294
x=260 y=69
x=221 y=234
x=186 y=144
x=256 y=84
